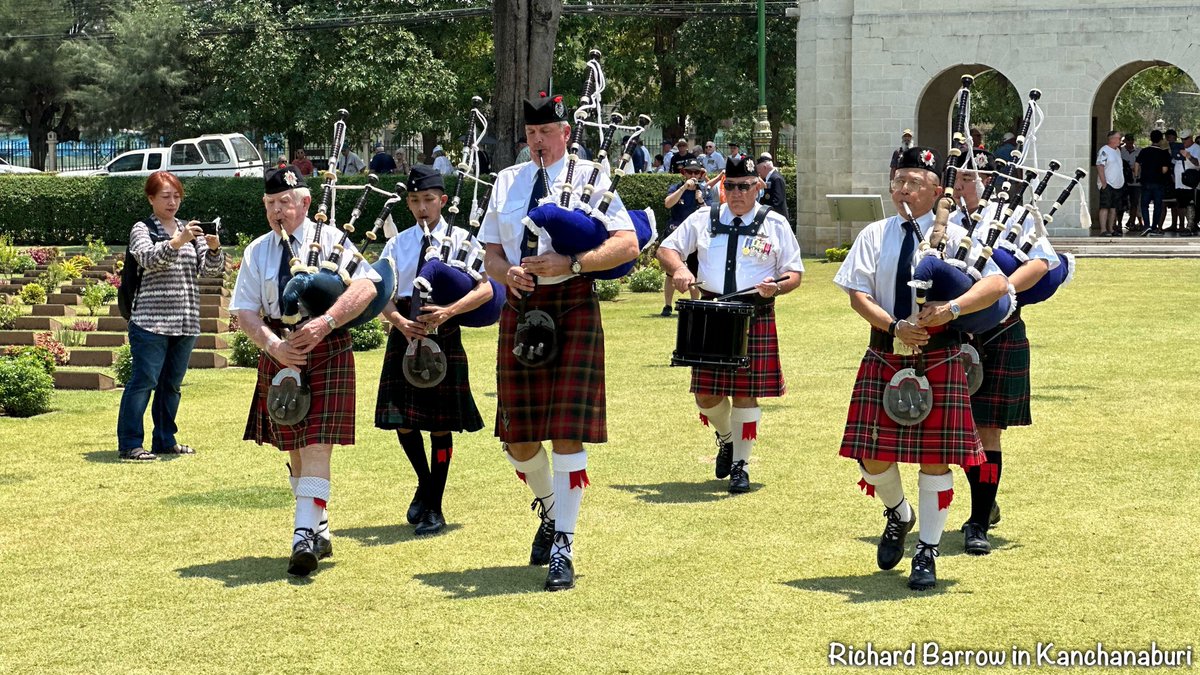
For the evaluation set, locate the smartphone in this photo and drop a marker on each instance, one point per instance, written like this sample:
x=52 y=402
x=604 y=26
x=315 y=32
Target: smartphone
x=211 y=227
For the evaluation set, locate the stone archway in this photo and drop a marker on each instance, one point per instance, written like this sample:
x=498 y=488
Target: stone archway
x=938 y=101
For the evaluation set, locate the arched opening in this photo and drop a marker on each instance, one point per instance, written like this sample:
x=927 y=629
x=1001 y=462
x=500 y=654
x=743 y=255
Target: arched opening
x=1134 y=99
x=996 y=106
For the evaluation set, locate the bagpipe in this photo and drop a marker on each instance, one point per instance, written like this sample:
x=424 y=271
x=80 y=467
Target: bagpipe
x=570 y=221
x=316 y=285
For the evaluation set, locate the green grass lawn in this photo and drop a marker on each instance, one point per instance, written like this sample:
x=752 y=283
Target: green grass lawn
x=179 y=565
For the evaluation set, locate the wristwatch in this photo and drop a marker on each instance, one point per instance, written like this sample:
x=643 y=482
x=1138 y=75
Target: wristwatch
x=954 y=310
x=576 y=266
x=329 y=320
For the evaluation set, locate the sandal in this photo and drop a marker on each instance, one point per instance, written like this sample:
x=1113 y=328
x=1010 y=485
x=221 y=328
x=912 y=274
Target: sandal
x=179 y=449
x=137 y=455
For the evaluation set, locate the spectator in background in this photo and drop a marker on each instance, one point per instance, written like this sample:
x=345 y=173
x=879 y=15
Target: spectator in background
x=401 y=159
x=775 y=193
x=976 y=138
x=1110 y=180
x=1188 y=158
x=281 y=161
x=735 y=153
x=657 y=166
x=382 y=162
x=1151 y=169
x=906 y=142
x=303 y=163
x=682 y=154
x=668 y=155
x=712 y=160
x=1133 y=189
x=635 y=156
x=441 y=163
x=1004 y=151
x=683 y=199
x=1169 y=205
x=646 y=158
x=350 y=164
x=522 y=150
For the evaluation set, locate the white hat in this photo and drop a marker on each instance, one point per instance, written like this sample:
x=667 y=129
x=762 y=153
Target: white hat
x=1008 y=136
x=1186 y=133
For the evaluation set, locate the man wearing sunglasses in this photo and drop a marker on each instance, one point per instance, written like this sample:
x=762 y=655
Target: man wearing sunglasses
x=683 y=199
x=741 y=245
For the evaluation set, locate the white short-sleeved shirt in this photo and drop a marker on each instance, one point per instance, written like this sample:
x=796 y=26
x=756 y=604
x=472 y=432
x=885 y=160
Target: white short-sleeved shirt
x=871 y=265
x=404 y=248
x=1114 y=166
x=1181 y=166
x=257 y=287
x=1042 y=249
x=510 y=203
x=771 y=253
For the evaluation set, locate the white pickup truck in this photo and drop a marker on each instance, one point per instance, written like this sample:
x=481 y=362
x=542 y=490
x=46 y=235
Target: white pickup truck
x=231 y=155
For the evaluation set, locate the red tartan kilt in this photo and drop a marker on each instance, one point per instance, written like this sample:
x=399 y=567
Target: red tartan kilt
x=1003 y=399
x=564 y=399
x=947 y=436
x=330 y=420
x=764 y=377
x=447 y=407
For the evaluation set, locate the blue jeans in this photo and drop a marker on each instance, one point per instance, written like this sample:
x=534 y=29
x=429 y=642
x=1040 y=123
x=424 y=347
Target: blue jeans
x=1153 y=192
x=159 y=363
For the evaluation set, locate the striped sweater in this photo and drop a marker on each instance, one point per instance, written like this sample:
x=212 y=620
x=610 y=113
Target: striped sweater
x=168 y=301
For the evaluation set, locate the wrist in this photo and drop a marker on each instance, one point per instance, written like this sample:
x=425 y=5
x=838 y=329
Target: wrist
x=894 y=326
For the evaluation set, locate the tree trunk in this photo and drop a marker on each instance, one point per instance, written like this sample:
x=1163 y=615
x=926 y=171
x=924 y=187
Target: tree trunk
x=295 y=141
x=523 y=39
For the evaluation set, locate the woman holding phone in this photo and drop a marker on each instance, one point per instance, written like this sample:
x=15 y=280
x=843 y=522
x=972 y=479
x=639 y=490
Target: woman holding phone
x=165 y=319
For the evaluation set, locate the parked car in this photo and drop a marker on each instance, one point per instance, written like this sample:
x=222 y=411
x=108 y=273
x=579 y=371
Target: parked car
x=211 y=155
x=5 y=167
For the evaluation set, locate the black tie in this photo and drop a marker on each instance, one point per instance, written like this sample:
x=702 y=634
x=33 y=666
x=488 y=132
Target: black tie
x=731 y=253
x=539 y=191
x=285 y=265
x=903 y=307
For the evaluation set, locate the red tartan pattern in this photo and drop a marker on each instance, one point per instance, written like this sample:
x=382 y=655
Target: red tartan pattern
x=330 y=378
x=565 y=399
x=764 y=377
x=1003 y=399
x=447 y=407
x=947 y=436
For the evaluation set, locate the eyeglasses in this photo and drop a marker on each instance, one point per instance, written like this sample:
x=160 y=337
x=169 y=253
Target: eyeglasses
x=911 y=184
x=741 y=187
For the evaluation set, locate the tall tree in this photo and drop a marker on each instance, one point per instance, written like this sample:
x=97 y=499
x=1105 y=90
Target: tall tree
x=524 y=37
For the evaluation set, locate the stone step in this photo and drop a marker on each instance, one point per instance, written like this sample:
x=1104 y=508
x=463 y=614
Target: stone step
x=22 y=281
x=112 y=324
x=105 y=339
x=214 y=326
x=211 y=281
x=54 y=310
x=211 y=342
x=92 y=357
x=211 y=312
x=114 y=310
x=214 y=300
x=16 y=337
x=93 y=273
x=202 y=359
x=82 y=379
x=38 y=323
x=63 y=299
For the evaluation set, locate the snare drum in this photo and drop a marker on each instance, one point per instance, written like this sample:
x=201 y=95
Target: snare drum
x=713 y=334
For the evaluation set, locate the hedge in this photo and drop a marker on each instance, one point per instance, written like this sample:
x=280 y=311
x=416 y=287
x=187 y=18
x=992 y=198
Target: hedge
x=64 y=211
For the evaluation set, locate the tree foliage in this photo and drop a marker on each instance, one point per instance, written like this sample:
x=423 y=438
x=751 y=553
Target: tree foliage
x=1152 y=95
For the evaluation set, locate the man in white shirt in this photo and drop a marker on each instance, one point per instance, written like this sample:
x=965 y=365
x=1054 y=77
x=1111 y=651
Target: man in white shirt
x=712 y=160
x=1110 y=179
x=350 y=164
x=1188 y=158
x=316 y=348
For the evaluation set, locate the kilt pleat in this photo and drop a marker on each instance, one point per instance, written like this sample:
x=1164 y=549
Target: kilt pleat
x=330 y=420
x=447 y=407
x=947 y=436
x=564 y=399
x=764 y=377
x=1003 y=399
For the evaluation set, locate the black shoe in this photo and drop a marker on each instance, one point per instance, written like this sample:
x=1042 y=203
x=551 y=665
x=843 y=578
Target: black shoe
x=739 y=478
x=324 y=544
x=994 y=517
x=666 y=310
x=304 y=554
x=724 y=457
x=923 y=575
x=432 y=522
x=561 y=576
x=1156 y=233
x=543 y=540
x=891 y=543
x=415 y=508
x=975 y=539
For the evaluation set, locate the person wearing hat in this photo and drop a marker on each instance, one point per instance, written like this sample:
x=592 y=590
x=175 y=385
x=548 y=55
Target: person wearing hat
x=682 y=154
x=561 y=401
x=740 y=245
x=1007 y=145
x=1003 y=398
x=735 y=153
x=775 y=191
x=441 y=163
x=382 y=162
x=349 y=164
x=448 y=406
x=906 y=142
x=876 y=275
x=683 y=199
x=316 y=347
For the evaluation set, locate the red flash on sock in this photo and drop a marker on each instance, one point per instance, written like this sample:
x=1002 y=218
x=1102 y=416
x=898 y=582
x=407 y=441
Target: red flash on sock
x=866 y=487
x=749 y=431
x=319 y=502
x=944 y=499
x=445 y=454
x=522 y=477
x=703 y=419
x=989 y=473
x=579 y=479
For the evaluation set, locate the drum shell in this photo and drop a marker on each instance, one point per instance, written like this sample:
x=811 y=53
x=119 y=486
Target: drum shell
x=713 y=334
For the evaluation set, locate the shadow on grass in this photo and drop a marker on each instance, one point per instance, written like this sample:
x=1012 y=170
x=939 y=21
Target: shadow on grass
x=682 y=492
x=952 y=543
x=13 y=478
x=386 y=535
x=487 y=581
x=880 y=586
x=110 y=457
x=252 y=497
x=249 y=571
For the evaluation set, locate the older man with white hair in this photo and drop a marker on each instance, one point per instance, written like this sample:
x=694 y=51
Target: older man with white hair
x=774 y=192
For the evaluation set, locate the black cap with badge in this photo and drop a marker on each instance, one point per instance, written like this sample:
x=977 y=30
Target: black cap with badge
x=740 y=168
x=422 y=177
x=922 y=158
x=282 y=179
x=545 y=109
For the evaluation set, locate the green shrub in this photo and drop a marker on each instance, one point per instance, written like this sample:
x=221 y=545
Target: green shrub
x=245 y=352
x=608 y=289
x=24 y=263
x=82 y=262
x=836 y=254
x=39 y=354
x=368 y=336
x=646 y=280
x=62 y=356
x=8 y=316
x=96 y=250
x=8 y=255
x=33 y=294
x=97 y=295
x=25 y=388
x=123 y=365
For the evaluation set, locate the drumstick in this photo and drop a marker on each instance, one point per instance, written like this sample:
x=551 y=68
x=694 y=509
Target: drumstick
x=744 y=291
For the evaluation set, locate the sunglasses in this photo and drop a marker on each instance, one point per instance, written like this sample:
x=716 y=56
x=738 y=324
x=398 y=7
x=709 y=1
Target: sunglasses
x=741 y=187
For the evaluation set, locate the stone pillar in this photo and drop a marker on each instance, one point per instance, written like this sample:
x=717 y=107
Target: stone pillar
x=51 y=151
